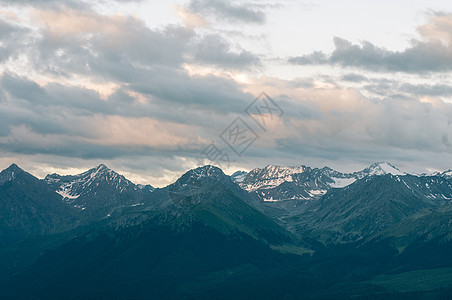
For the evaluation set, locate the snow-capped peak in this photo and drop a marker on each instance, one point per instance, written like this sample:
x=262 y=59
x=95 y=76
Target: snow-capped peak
x=276 y=182
x=71 y=187
x=382 y=168
x=100 y=170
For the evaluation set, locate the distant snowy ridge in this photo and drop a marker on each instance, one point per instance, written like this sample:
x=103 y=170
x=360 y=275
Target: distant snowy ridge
x=273 y=183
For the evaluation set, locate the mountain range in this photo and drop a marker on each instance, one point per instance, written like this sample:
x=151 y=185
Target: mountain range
x=290 y=231
x=275 y=183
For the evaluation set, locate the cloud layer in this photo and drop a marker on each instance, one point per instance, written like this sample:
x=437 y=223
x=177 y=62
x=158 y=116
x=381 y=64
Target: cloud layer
x=431 y=53
x=228 y=11
x=79 y=87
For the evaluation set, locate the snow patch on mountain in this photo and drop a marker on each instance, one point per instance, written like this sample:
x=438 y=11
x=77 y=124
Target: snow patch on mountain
x=270 y=199
x=342 y=182
x=314 y=193
x=269 y=177
x=447 y=174
x=239 y=176
x=65 y=192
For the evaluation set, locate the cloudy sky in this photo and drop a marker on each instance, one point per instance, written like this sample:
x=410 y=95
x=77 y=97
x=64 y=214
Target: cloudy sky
x=147 y=87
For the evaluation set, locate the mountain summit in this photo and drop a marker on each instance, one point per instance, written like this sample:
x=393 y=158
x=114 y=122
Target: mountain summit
x=380 y=168
x=10 y=173
x=71 y=187
x=28 y=207
x=191 y=187
x=276 y=183
x=207 y=171
x=99 y=190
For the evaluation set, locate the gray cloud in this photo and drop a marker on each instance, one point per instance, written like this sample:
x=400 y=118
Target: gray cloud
x=353 y=77
x=392 y=125
x=214 y=50
x=49 y=121
x=75 y=122
x=226 y=11
x=22 y=88
x=422 y=56
x=146 y=61
x=133 y=46
x=191 y=97
x=78 y=4
x=207 y=92
x=83 y=101
x=132 y=52
x=394 y=88
x=399 y=87
x=11 y=37
x=427 y=89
